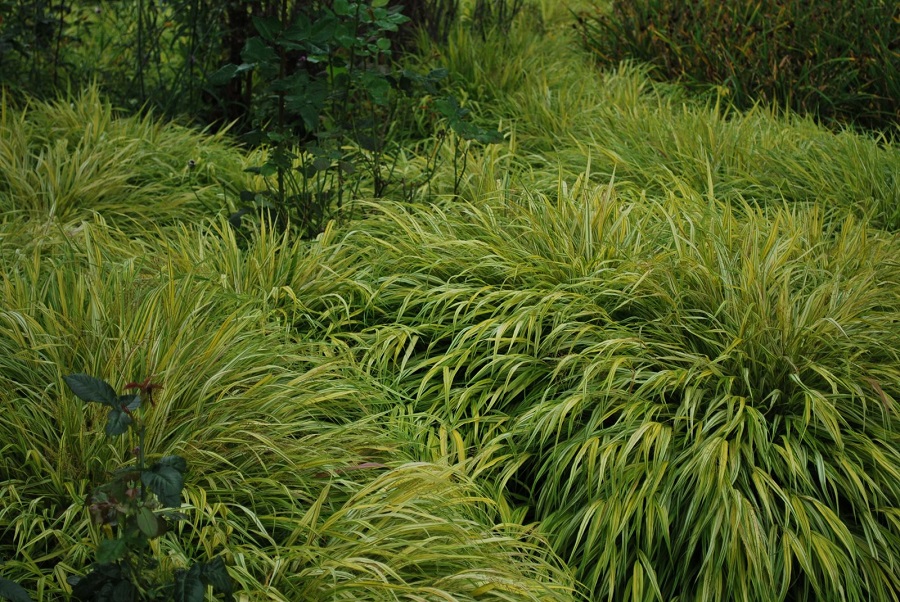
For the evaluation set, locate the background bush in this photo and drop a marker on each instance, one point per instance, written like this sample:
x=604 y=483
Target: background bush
x=315 y=83
x=838 y=59
x=160 y=54
x=141 y=53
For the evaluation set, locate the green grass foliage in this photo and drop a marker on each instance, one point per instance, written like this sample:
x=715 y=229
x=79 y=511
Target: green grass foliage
x=560 y=115
x=292 y=475
x=656 y=381
x=63 y=158
x=648 y=352
x=837 y=59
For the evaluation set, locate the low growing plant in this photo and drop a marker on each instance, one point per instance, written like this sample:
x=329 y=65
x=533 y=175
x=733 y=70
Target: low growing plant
x=136 y=506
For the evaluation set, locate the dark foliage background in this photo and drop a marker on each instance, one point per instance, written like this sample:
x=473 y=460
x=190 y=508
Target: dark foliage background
x=836 y=59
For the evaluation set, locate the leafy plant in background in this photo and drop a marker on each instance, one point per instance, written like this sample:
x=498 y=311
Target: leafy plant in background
x=306 y=61
x=31 y=36
x=143 y=54
x=135 y=507
x=464 y=133
x=495 y=14
x=435 y=18
x=331 y=108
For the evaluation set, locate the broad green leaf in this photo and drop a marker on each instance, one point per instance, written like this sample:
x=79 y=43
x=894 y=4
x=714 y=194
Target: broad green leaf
x=341 y=8
x=449 y=108
x=166 y=482
x=297 y=35
x=378 y=87
x=176 y=462
x=258 y=54
x=265 y=170
x=325 y=30
x=188 y=585
x=215 y=574
x=117 y=422
x=124 y=591
x=148 y=522
x=379 y=3
x=105 y=583
x=89 y=388
x=111 y=550
x=268 y=27
x=223 y=75
x=488 y=136
x=470 y=131
x=12 y=591
x=132 y=402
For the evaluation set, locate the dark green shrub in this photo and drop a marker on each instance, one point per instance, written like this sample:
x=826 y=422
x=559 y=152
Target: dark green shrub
x=495 y=14
x=319 y=77
x=333 y=109
x=837 y=59
x=30 y=43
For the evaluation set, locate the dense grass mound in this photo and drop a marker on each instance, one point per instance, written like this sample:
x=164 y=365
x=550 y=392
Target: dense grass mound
x=277 y=435
x=655 y=380
x=655 y=339
x=562 y=115
x=638 y=376
x=61 y=159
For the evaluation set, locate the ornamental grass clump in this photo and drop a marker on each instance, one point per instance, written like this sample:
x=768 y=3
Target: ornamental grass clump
x=676 y=369
x=302 y=490
x=66 y=158
x=693 y=399
x=749 y=429
x=562 y=113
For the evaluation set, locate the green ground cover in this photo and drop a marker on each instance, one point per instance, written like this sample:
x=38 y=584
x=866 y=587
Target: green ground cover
x=648 y=352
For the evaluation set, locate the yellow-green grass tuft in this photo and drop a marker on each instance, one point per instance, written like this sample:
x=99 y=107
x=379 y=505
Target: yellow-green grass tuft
x=565 y=114
x=662 y=333
x=293 y=476
x=64 y=159
x=653 y=378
